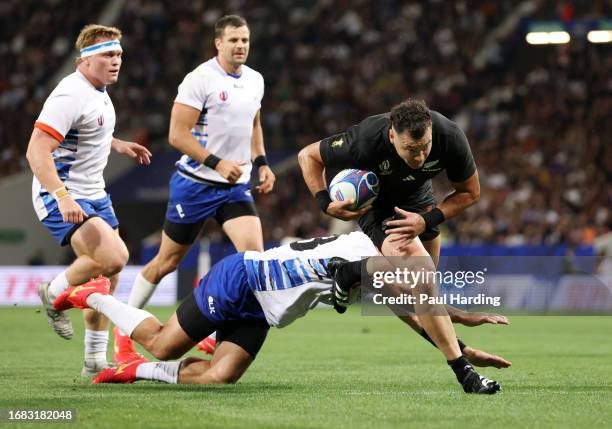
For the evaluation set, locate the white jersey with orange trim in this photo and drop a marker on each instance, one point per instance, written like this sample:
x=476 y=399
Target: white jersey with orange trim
x=292 y=279
x=228 y=105
x=82 y=119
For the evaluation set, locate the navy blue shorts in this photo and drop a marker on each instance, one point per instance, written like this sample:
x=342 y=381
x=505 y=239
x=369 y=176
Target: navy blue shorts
x=224 y=295
x=62 y=231
x=193 y=202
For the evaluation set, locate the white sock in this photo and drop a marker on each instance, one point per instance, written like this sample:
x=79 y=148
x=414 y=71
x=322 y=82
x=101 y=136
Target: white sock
x=126 y=317
x=58 y=285
x=141 y=292
x=166 y=372
x=96 y=343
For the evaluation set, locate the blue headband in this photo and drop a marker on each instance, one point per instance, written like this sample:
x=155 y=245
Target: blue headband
x=98 y=48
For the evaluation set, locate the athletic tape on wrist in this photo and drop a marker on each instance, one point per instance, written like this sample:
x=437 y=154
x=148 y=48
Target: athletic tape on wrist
x=211 y=161
x=323 y=200
x=433 y=218
x=260 y=161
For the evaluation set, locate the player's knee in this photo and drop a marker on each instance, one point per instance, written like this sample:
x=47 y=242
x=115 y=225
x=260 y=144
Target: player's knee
x=164 y=353
x=225 y=376
x=114 y=263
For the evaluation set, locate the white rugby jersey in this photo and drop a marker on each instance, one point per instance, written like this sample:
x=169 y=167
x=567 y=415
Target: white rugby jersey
x=292 y=279
x=228 y=105
x=82 y=119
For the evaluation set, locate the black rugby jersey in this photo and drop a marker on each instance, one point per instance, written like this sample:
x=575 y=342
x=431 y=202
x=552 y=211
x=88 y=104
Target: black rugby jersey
x=366 y=146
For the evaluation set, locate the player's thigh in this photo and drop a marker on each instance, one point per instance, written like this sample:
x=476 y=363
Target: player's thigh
x=171 y=251
x=97 y=239
x=244 y=232
x=433 y=248
x=171 y=342
x=414 y=248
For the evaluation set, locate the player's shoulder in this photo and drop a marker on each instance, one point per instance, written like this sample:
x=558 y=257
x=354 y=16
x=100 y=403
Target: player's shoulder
x=375 y=123
x=205 y=69
x=252 y=74
x=73 y=87
x=442 y=125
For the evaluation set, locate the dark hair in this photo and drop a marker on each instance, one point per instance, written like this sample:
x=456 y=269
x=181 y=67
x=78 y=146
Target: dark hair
x=228 y=21
x=412 y=116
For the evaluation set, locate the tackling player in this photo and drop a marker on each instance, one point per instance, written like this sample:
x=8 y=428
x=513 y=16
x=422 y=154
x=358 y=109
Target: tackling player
x=67 y=153
x=215 y=123
x=240 y=298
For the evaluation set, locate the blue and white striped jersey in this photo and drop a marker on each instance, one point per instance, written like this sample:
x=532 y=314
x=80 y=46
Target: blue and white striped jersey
x=292 y=279
x=82 y=119
x=228 y=106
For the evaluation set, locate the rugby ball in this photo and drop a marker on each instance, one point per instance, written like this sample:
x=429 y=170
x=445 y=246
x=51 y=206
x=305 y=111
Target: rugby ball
x=358 y=185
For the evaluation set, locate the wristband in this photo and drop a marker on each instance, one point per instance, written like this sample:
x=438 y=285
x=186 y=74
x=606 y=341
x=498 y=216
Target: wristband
x=433 y=218
x=211 y=161
x=60 y=193
x=260 y=161
x=323 y=200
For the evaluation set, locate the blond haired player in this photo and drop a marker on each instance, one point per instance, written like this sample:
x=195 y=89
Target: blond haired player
x=67 y=152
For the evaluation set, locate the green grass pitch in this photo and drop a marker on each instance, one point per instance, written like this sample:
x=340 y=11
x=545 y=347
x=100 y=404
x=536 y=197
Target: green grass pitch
x=331 y=371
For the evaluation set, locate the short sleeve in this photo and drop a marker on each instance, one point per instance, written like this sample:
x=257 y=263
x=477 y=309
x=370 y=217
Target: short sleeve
x=337 y=151
x=461 y=165
x=262 y=88
x=192 y=91
x=58 y=115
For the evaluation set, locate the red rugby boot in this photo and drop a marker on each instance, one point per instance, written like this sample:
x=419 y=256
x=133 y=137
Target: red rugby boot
x=124 y=350
x=124 y=373
x=76 y=296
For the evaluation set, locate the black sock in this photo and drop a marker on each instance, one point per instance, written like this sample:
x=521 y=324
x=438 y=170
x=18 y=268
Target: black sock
x=349 y=273
x=461 y=367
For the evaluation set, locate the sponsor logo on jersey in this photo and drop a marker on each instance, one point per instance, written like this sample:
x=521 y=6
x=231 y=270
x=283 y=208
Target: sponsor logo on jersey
x=211 y=305
x=223 y=95
x=408 y=178
x=101 y=120
x=384 y=168
x=430 y=163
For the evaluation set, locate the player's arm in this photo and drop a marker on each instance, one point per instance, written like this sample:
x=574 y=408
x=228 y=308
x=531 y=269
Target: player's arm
x=465 y=194
x=312 y=166
x=258 y=155
x=138 y=152
x=182 y=119
x=39 y=156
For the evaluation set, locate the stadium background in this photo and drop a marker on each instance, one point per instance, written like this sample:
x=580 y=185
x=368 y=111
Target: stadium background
x=537 y=117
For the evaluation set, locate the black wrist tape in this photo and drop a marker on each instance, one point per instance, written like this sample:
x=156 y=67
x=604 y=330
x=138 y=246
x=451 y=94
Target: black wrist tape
x=211 y=161
x=433 y=218
x=323 y=200
x=260 y=160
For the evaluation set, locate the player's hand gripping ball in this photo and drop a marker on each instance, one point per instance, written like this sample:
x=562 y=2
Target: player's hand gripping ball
x=358 y=185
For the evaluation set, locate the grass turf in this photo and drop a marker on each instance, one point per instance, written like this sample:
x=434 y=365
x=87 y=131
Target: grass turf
x=334 y=371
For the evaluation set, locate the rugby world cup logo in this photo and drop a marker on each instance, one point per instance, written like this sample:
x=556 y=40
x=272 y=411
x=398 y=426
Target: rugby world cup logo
x=223 y=95
x=101 y=120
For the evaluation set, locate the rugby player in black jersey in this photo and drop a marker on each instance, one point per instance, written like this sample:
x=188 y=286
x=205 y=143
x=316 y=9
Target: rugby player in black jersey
x=405 y=148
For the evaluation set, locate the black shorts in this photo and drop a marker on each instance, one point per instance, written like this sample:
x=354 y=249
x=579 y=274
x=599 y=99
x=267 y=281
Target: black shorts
x=249 y=335
x=186 y=233
x=372 y=223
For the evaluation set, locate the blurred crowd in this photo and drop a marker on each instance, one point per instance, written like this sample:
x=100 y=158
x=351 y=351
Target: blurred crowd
x=536 y=120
